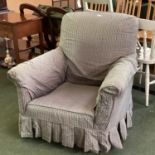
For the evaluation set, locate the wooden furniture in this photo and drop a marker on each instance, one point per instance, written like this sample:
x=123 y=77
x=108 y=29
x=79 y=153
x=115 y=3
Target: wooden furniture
x=78 y=5
x=54 y=25
x=98 y=5
x=150 y=14
x=60 y=2
x=75 y=4
x=147 y=56
x=132 y=7
x=147 y=60
x=151 y=6
x=37 y=11
x=51 y=21
x=15 y=26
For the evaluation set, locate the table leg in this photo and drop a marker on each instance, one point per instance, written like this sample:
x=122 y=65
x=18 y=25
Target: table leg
x=41 y=43
x=75 y=2
x=147 y=84
x=68 y=3
x=16 y=49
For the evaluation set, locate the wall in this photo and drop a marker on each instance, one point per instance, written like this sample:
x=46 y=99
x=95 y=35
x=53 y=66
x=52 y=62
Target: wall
x=14 y=4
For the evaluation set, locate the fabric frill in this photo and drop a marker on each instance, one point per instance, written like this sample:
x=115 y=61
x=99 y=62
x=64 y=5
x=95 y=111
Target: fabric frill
x=88 y=139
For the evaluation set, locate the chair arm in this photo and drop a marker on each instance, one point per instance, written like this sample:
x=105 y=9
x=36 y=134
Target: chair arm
x=41 y=74
x=32 y=8
x=119 y=75
x=115 y=85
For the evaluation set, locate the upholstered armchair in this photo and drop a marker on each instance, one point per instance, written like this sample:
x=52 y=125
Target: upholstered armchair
x=79 y=94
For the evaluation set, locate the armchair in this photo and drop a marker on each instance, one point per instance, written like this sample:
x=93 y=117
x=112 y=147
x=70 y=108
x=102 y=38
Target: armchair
x=80 y=93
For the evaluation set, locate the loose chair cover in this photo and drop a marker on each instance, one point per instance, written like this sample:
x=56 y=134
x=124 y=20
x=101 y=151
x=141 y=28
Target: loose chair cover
x=79 y=94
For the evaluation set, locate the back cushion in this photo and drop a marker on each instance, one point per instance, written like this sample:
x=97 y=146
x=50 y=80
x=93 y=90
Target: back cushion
x=92 y=41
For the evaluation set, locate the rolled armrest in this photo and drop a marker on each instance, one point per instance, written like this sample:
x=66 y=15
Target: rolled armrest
x=41 y=74
x=119 y=75
x=116 y=88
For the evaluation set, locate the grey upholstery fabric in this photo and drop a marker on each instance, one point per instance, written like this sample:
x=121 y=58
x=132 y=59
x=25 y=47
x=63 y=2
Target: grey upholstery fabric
x=124 y=69
x=52 y=106
x=42 y=74
x=94 y=41
x=39 y=76
x=66 y=97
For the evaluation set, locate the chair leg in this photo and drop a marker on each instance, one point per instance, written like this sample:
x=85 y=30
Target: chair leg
x=141 y=75
x=147 y=84
x=31 y=54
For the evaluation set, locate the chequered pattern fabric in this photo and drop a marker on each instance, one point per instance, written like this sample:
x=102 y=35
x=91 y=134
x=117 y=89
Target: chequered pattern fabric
x=92 y=41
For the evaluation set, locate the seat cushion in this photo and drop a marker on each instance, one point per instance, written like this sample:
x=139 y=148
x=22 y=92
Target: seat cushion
x=68 y=104
x=92 y=41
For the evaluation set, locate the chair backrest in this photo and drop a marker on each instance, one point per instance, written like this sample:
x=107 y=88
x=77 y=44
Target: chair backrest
x=92 y=41
x=148 y=25
x=98 y=5
x=60 y=3
x=78 y=3
x=55 y=16
x=150 y=14
x=51 y=22
x=132 y=7
x=33 y=8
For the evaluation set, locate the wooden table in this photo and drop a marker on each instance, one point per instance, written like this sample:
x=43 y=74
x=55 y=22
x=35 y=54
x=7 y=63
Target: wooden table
x=16 y=26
